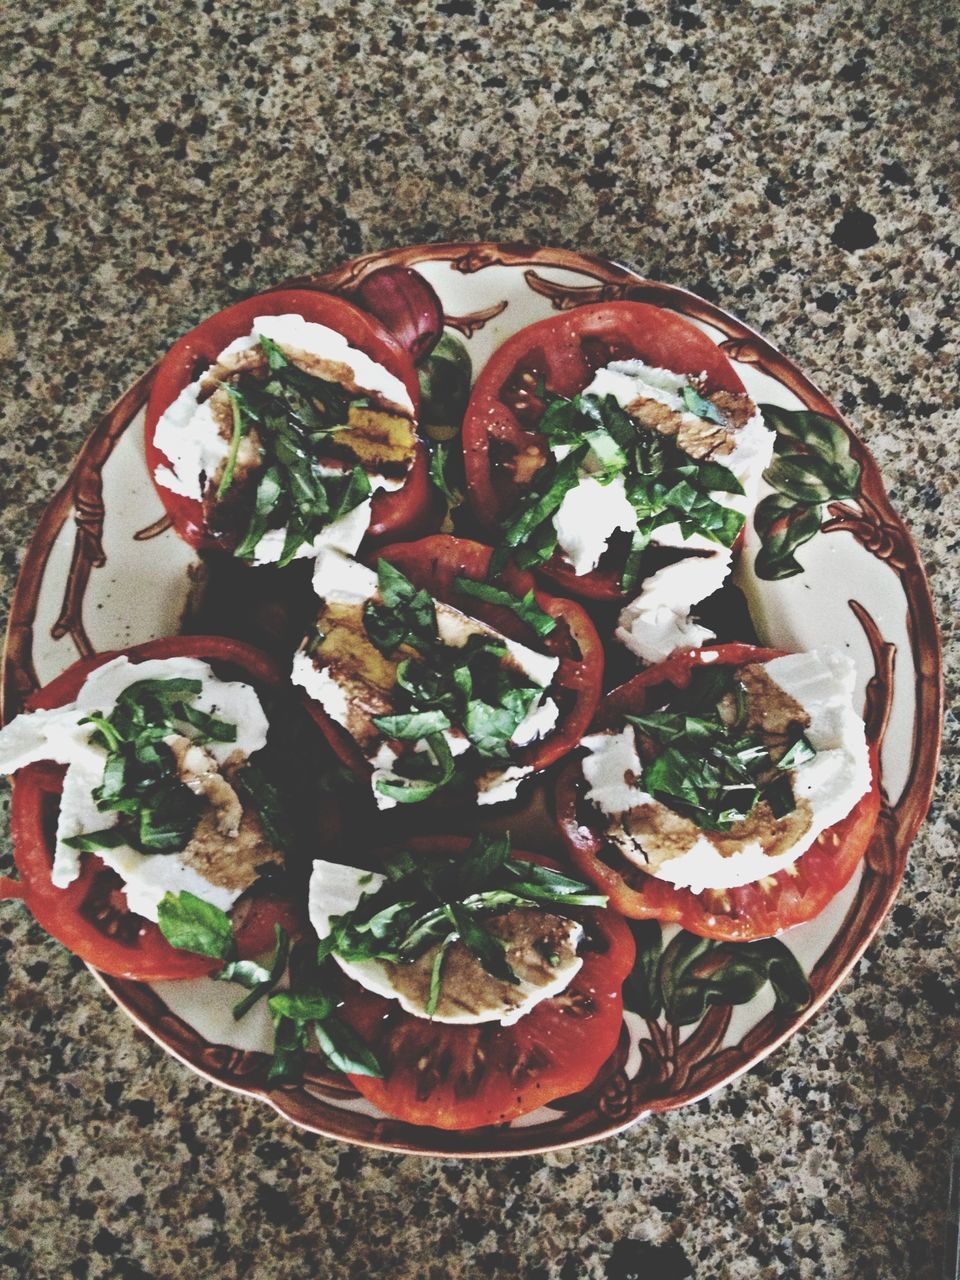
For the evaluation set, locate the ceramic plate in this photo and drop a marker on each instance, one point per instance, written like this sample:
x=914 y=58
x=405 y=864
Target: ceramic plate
x=855 y=579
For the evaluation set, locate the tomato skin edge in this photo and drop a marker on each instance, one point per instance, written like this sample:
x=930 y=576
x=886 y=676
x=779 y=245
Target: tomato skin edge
x=59 y=910
x=836 y=852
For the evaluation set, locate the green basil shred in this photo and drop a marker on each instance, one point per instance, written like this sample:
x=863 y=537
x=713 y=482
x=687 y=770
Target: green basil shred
x=663 y=484
x=433 y=902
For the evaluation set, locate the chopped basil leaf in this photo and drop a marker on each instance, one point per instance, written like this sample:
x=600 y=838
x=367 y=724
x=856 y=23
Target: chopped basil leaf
x=436 y=901
x=708 y=768
x=310 y=1006
x=190 y=924
x=525 y=607
x=344 y=1050
x=94 y=841
x=239 y=430
x=426 y=771
x=413 y=726
x=779 y=797
x=798 y=754
x=257 y=979
x=701 y=407
x=404 y=614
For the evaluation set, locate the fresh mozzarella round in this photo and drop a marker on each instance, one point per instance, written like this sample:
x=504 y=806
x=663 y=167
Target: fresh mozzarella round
x=59 y=735
x=822 y=683
x=336 y=890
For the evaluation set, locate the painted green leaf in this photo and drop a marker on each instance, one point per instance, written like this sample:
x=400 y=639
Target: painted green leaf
x=807 y=477
x=737 y=982
x=783 y=526
x=821 y=434
x=641 y=991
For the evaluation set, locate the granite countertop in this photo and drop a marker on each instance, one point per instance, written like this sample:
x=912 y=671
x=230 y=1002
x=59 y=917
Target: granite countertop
x=798 y=163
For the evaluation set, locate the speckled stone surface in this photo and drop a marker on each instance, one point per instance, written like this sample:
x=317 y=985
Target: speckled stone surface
x=798 y=163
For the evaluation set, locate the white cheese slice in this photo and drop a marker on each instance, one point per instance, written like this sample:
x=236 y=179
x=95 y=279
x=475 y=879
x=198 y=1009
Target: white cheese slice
x=497 y=786
x=658 y=621
x=537 y=723
x=588 y=517
x=336 y=890
x=57 y=735
x=188 y=435
x=822 y=682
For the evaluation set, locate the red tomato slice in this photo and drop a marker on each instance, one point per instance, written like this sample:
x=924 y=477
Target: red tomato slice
x=90 y=916
x=398 y=513
x=732 y=915
x=434 y=563
x=564 y=352
x=463 y=1077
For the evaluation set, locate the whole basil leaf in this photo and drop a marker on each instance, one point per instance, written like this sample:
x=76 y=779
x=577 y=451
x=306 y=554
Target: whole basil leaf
x=190 y=924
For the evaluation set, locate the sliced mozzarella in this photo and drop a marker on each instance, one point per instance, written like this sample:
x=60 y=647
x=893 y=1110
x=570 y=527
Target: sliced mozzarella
x=537 y=723
x=822 y=682
x=588 y=517
x=57 y=735
x=658 y=620
x=611 y=767
x=497 y=786
x=189 y=436
x=336 y=890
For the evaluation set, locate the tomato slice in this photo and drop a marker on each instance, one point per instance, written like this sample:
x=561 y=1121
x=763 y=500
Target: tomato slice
x=90 y=915
x=563 y=352
x=434 y=563
x=464 y=1077
x=743 y=914
x=398 y=513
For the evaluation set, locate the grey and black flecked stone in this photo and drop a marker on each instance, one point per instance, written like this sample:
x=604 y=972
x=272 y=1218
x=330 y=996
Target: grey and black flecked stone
x=797 y=162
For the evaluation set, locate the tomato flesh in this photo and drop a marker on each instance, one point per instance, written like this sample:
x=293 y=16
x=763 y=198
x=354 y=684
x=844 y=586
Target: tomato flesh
x=397 y=513
x=464 y=1077
x=89 y=916
x=563 y=352
x=743 y=914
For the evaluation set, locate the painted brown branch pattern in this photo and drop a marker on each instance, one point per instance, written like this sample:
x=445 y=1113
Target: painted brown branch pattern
x=469 y=325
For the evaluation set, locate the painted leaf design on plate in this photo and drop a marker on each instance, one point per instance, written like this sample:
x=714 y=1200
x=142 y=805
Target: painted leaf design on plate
x=682 y=979
x=812 y=465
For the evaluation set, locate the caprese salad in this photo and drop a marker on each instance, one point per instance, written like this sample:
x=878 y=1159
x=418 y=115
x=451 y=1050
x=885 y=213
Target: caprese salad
x=610 y=454
x=418 y=673
x=285 y=424
x=140 y=777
